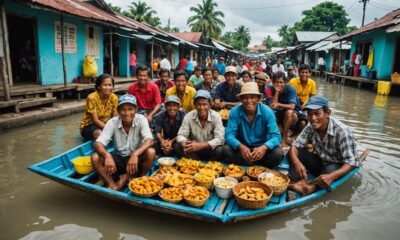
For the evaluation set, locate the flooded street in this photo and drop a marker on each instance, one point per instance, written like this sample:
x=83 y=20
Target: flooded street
x=365 y=207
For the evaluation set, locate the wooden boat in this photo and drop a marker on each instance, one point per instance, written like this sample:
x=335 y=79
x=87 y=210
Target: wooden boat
x=60 y=169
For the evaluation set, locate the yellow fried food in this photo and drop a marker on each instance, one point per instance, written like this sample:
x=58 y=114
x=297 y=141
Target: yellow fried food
x=167 y=170
x=233 y=170
x=273 y=180
x=224 y=113
x=252 y=193
x=254 y=171
x=145 y=185
x=206 y=175
x=213 y=165
x=179 y=179
x=189 y=169
x=172 y=193
x=196 y=193
x=186 y=161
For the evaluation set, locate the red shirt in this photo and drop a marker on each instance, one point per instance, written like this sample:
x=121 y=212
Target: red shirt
x=163 y=89
x=183 y=62
x=146 y=98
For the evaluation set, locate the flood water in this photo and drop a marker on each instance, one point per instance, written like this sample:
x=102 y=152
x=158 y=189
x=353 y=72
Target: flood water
x=365 y=207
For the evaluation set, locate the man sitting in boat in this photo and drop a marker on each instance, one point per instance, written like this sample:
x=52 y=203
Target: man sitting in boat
x=334 y=154
x=283 y=99
x=252 y=135
x=201 y=135
x=167 y=124
x=132 y=138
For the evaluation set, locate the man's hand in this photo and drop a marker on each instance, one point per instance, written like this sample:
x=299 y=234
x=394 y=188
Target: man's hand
x=194 y=147
x=109 y=164
x=300 y=170
x=274 y=105
x=149 y=118
x=324 y=180
x=277 y=89
x=246 y=153
x=132 y=166
x=258 y=152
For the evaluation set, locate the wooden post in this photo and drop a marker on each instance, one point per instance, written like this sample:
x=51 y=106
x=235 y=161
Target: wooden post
x=111 y=57
x=340 y=55
x=152 y=59
x=6 y=61
x=63 y=49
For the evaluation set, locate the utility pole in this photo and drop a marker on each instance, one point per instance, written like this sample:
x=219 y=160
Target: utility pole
x=364 y=6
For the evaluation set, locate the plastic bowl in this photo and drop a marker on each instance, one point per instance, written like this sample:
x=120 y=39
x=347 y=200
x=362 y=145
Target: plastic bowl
x=166 y=161
x=224 y=192
x=83 y=165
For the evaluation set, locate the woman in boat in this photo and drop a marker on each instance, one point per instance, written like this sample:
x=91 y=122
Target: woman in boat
x=101 y=105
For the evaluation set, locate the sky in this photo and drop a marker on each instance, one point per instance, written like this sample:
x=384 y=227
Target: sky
x=262 y=17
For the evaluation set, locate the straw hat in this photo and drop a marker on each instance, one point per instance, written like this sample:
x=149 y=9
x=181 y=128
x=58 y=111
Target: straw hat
x=249 y=88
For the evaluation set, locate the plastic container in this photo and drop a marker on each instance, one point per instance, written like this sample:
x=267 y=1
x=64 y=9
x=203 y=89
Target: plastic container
x=384 y=87
x=224 y=192
x=83 y=165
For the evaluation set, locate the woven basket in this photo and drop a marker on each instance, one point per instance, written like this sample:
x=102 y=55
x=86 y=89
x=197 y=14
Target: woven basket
x=395 y=77
x=208 y=184
x=238 y=177
x=252 y=176
x=252 y=204
x=183 y=185
x=278 y=190
x=195 y=203
x=146 y=195
x=169 y=200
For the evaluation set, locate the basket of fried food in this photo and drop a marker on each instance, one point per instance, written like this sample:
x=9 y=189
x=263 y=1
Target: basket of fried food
x=224 y=113
x=252 y=194
x=189 y=169
x=205 y=178
x=234 y=171
x=196 y=196
x=145 y=186
x=276 y=180
x=186 y=161
x=254 y=171
x=163 y=171
x=179 y=180
x=171 y=194
x=214 y=165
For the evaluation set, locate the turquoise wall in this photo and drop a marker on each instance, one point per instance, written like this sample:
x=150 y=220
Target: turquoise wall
x=384 y=45
x=141 y=53
x=124 y=45
x=328 y=61
x=50 y=62
x=176 y=49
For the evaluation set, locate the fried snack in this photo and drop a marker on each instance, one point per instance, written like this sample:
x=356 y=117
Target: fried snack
x=179 y=180
x=196 y=193
x=186 y=161
x=224 y=113
x=171 y=194
x=216 y=166
x=233 y=170
x=252 y=193
x=273 y=180
x=145 y=185
x=254 y=171
x=189 y=169
x=206 y=175
x=167 y=170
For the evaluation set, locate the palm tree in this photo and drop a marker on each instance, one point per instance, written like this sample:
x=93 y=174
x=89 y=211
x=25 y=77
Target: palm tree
x=242 y=34
x=283 y=31
x=141 y=12
x=206 y=19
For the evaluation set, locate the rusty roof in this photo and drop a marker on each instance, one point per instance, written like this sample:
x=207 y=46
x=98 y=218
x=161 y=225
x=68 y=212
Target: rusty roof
x=257 y=48
x=390 y=19
x=81 y=9
x=189 y=36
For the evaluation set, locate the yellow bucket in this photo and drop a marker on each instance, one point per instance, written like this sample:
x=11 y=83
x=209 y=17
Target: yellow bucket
x=83 y=165
x=383 y=87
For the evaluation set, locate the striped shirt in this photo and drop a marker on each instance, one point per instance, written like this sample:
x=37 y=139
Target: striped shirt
x=125 y=144
x=338 y=146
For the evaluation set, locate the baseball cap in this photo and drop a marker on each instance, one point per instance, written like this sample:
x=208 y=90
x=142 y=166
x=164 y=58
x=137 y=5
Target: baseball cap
x=316 y=102
x=231 y=69
x=222 y=58
x=261 y=75
x=290 y=67
x=127 y=98
x=203 y=94
x=172 y=98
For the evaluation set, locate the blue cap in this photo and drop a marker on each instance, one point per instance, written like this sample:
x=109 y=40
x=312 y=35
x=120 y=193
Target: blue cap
x=203 y=94
x=316 y=102
x=127 y=98
x=172 y=98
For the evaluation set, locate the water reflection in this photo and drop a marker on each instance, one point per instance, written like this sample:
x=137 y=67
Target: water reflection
x=65 y=232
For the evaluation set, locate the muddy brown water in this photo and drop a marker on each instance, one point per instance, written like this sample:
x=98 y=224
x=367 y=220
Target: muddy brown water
x=365 y=207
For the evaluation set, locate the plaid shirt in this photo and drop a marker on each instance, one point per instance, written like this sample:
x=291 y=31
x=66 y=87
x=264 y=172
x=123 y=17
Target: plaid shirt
x=338 y=146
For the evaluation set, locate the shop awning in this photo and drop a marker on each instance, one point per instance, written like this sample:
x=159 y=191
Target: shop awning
x=219 y=46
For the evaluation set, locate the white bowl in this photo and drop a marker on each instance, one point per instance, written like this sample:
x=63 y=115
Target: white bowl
x=223 y=192
x=166 y=161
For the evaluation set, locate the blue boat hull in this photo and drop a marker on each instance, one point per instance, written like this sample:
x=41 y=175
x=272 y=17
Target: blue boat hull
x=60 y=169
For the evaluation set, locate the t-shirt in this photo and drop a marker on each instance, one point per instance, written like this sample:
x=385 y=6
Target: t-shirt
x=358 y=59
x=220 y=68
x=287 y=96
x=222 y=92
x=276 y=69
x=187 y=99
x=321 y=61
x=195 y=80
x=146 y=98
x=163 y=89
x=132 y=59
x=304 y=92
x=183 y=62
x=165 y=64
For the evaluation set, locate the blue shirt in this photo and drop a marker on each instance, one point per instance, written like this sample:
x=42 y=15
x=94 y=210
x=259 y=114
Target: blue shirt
x=162 y=124
x=200 y=86
x=222 y=92
x=220 y=68
x=287 y=96
x=263 y=130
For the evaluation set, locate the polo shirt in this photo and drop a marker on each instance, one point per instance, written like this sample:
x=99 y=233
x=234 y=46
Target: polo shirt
x=263 y=130
x=163 y=126
x=304 y=92
x=146 y=98
x=125 y=144
x=187 y=100
x=287 y=96
x=220 y=68
x=163 y=89
x=222 y=92
x=195 y=80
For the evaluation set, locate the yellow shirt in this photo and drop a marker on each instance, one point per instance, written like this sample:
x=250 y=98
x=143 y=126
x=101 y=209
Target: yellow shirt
x=95 y=105
x=304 y=92
x=187 y=100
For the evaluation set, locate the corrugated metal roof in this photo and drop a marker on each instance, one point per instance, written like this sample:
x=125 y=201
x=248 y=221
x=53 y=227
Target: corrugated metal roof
x=308 y=36
x=318 y=45
x=189 y=36
x=78 y=8
x=335 y=46
x=218 y=46
x=390 y=19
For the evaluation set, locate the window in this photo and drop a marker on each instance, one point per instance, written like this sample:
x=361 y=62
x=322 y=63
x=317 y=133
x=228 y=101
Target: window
x=69 y=37
x=92 y=41
x=364 y=49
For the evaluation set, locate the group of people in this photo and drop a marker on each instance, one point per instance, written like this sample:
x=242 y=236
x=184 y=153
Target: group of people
x=180 y=118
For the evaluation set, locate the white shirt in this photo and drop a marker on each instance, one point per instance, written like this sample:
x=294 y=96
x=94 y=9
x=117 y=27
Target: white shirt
x=125 y=144
x=242 y=68
x=165 y=64
x=321 y=61
x=276 y=69
x=358 y=59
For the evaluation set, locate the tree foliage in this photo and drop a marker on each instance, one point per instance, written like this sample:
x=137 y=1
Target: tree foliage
x=141 y=12
x=239 y=39
x=206 y=19
x=115 y=9
x=270 y=43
